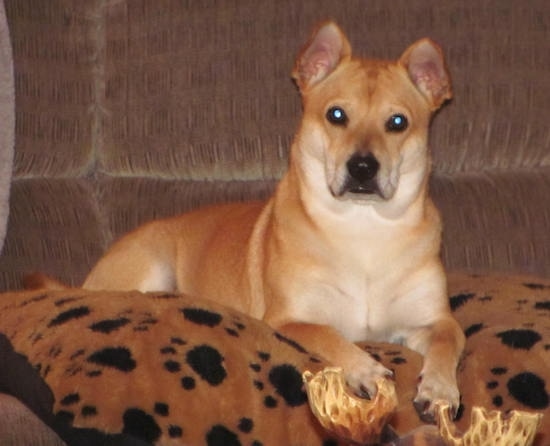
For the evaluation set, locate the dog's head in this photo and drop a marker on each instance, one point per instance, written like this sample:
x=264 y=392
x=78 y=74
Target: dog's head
x=365 y=125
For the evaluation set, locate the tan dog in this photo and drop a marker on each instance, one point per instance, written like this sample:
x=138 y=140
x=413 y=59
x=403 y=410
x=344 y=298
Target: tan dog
x=347 y=249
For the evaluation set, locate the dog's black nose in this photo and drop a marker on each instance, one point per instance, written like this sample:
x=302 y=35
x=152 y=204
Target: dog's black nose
x=363 y=168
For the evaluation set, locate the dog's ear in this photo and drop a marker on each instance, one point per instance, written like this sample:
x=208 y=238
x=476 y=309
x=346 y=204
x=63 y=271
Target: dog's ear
x=326 y=48
x=425 y=64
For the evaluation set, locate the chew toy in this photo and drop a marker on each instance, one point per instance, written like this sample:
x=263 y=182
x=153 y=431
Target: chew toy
x=362 y=421
x=490 y=428
x=349 y=417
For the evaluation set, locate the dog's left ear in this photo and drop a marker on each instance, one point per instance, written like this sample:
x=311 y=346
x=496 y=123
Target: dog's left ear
x=425 y=64
x=324 y=51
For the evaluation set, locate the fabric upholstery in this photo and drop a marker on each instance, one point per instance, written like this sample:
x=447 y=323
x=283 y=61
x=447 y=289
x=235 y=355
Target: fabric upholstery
x=136 y=109
x=19 y=426
x=127 y=110
x=7 y=121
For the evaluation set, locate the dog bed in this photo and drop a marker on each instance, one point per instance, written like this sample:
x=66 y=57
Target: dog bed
x=139 y=369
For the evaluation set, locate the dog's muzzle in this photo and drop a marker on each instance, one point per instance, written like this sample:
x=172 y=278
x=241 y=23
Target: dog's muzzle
x=361 y=178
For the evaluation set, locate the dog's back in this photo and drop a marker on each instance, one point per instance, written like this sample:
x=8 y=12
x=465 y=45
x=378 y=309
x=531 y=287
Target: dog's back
x=201 y=253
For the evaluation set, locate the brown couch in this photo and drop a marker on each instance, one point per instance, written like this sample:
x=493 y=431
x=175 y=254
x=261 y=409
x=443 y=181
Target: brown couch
x=127 y=110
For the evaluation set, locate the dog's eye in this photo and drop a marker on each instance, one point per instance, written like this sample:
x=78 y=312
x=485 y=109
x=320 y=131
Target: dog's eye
x=397 y=123
x=337 y=115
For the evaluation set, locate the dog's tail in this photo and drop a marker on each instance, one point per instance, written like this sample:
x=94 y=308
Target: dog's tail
x=40 y=281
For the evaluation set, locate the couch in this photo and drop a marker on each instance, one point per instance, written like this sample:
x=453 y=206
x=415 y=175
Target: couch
x=119 y=111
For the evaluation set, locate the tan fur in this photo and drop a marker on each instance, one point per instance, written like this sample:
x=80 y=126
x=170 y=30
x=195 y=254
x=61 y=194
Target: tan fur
x=326 y=265
x=37 y=280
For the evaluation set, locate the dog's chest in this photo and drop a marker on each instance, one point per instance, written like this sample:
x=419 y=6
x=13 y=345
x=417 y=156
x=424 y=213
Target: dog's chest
x=354 y=274
x=364 y=283
x=347 y=299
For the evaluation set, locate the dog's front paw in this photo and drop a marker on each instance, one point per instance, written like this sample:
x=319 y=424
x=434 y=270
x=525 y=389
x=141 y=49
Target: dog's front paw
x=362 y=376
x=434 y=390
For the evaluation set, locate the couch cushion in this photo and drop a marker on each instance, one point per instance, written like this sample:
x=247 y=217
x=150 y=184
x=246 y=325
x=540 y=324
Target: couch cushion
x=19 y=426
x=54 y=53
x=198 y=94
x=54 y=225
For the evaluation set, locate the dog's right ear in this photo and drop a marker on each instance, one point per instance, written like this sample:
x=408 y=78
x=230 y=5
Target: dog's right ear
x=426 y=66
x=326 y=48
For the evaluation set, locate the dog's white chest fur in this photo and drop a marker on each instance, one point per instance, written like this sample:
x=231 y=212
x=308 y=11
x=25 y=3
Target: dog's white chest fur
x=364 y=273
x=353 y=289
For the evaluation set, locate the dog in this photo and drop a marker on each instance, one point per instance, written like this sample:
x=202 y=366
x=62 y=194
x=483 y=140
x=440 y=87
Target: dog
x=347 y=248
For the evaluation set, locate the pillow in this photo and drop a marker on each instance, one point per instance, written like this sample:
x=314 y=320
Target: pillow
x=131 y=368
x=506 y=361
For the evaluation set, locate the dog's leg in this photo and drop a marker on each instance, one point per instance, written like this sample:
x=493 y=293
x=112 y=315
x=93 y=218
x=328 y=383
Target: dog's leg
x=441 y=344
x=115 y=272
x=360 y=369
x=138 y=261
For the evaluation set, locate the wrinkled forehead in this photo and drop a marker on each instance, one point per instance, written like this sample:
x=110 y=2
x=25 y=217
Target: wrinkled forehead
x=369 y=82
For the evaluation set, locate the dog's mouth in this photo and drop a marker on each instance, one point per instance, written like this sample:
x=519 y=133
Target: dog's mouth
x=352 y=186
x=359 y=192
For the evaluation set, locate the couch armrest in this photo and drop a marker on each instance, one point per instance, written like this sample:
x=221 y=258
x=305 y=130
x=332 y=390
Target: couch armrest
x=19 y=426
